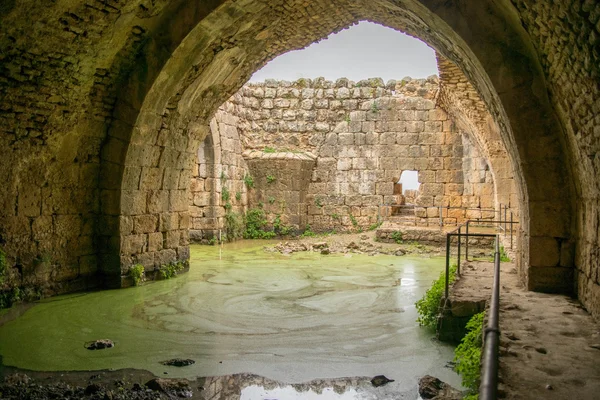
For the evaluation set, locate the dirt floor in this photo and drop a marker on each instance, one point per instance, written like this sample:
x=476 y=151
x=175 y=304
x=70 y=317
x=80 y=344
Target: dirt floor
x=549 y=344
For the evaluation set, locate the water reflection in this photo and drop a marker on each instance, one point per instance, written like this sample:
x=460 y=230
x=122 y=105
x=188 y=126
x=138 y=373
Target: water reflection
x=289 y=393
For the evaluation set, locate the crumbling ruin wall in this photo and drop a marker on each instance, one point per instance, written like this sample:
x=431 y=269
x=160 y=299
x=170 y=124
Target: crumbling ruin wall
x=363 y=136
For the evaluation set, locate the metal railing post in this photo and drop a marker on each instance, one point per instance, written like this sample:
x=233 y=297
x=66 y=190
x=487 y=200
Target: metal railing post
x=447 y=264
x=467 y=243
x=458 y=256
x=505 y=209
x=511 y=230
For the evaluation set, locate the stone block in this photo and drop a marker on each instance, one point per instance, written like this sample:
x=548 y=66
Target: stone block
x=178 y=200
x=424 y=201
x=427 y=176
x=344 y=164
x=133 y=202
x=165 y=257
x=29 y=201
x=453 y=189
x=415 y=126
x=431 y=189
x=155 y=241
x=42 y=228
x=202 y=199
x=158 y=201
x=433 y=212
x=145 y=223
x=168 y=221
x=133 y=244
x=385 y=188
x=544 y=252
x=551 y=280
x=420 y=212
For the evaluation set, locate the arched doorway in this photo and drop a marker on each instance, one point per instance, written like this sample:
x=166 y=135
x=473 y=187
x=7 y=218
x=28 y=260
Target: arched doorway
x=188 y=69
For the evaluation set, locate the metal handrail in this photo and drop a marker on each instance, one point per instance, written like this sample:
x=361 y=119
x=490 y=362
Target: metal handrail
x=488 y=389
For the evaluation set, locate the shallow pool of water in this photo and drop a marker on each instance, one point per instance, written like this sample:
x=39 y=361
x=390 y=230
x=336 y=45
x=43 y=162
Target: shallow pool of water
x=240 y=309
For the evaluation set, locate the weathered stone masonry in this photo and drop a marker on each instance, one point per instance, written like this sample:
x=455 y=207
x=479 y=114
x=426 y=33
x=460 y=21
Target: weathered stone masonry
x=342 y=147
x=93 y=92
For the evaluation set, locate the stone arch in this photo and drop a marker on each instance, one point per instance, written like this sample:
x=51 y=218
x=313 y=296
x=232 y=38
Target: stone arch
x=187 y=69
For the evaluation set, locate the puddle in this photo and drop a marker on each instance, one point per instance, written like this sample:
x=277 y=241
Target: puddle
x=242 y=310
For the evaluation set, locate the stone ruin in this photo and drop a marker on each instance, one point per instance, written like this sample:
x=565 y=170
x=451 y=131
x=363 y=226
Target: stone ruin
x=329 y=155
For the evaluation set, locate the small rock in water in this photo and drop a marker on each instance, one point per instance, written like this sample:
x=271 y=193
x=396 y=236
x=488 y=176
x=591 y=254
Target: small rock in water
x=352 y=245
x=178 y=362
x=549 y=387
x=380 y=380
x=431 y=387
x=320 y=245
x=100 y=344
x=325 y=251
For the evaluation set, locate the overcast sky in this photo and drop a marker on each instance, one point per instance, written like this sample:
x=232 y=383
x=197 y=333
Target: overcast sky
x=365 y=50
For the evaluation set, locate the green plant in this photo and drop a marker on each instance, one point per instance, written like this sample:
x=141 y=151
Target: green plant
x=213 y=240
x=225 y=195
x=308 y=232
x=223 y=176
x=234 y=225
x=374 y=107
x=269 y=150
x=335 y=216
x=170 y=270
x=228 y=206
x=256 y=222
x=249 y=181
x=503 y=256
x=271 y=199
x=467 y=355
x=280 y=228
x=318 y=202
x=428 y=306
x=137 y=273
x=353 y=220
x=347 y=118
x=271 y=178
x=238 y=196
x=375 y=225
x=397 y=237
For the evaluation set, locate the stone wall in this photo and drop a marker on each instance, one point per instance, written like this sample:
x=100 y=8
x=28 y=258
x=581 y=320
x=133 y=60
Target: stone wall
x=364 y=135
x=217 y=185
x=462 y=102
x=281 y=186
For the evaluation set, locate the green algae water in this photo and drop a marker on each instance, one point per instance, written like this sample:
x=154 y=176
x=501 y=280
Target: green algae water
x=240 y=309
